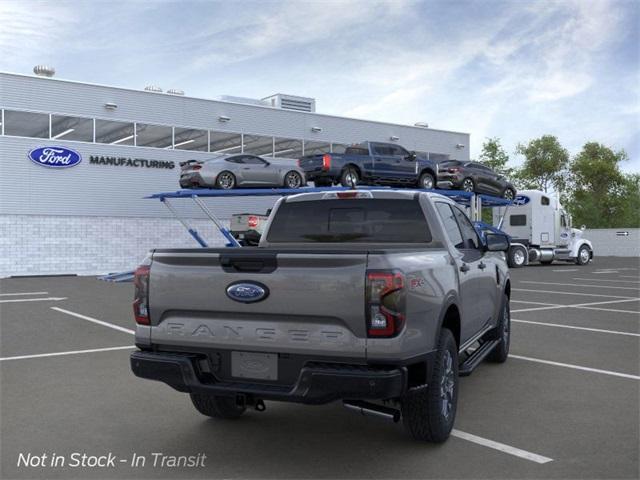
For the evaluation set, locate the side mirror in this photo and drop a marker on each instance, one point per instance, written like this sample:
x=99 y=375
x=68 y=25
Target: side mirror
x=412 y=156
x=495 y=242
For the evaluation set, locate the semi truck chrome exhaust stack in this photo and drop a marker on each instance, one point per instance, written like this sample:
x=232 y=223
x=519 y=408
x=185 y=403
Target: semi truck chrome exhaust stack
x=372 y=410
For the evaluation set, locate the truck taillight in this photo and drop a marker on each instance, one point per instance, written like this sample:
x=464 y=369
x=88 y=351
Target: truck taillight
x=326 y=161
x=141 y=296
x=385 y=303
x=454 y=170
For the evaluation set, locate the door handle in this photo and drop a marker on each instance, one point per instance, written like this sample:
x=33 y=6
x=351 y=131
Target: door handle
x=464 y=268
x=482 y=266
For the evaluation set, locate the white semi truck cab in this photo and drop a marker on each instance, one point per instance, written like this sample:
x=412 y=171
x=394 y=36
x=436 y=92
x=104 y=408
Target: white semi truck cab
x=541 y=231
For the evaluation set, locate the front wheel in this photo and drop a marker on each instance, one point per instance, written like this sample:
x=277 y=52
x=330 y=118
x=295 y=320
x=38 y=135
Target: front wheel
x=584 y=255
x=517 y=256
x=217 y=406
x=428 y=412
x=509 y=194
x=293 y=179
x=502 y=333
x=427 y=181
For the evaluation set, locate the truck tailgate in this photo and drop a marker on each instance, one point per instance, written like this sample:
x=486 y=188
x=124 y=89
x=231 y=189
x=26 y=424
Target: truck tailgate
x=314 y=302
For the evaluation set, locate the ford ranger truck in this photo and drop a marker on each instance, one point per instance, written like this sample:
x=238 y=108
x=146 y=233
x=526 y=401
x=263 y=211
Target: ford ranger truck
x=379 y=299
x=372 y=163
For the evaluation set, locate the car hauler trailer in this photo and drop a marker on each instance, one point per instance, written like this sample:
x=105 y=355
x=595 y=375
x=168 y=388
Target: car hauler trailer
x=541 y=231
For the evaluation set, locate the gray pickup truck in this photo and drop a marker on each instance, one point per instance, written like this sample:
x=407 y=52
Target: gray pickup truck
x=377 y=298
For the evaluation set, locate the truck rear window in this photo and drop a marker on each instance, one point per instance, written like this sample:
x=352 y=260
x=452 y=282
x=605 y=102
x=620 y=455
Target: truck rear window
x=350 y=221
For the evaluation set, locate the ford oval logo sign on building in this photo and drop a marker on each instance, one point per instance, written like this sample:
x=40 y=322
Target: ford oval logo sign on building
x=55 y=157
x=247 y=292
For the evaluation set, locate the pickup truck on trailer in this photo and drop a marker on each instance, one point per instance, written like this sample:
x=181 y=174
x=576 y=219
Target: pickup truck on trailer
x=379 y=298
x=371 y=163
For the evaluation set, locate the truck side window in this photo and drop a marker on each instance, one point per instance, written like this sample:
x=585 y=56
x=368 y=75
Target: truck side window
x=544 y=200
x=469 y=234
x=450 y=224
x=518 y=220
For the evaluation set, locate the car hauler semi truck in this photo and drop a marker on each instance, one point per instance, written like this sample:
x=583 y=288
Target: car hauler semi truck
x=541 y=231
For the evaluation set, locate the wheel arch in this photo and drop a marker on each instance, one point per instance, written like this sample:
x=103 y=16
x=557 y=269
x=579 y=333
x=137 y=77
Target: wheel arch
x=430 y=171
x=450 y=319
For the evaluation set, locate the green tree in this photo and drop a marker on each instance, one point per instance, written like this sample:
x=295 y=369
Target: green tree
x=600 y=195
x=494 y=156
x=545 y=164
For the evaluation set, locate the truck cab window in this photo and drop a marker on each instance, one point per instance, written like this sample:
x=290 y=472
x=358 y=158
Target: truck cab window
x=544 y=200
x=469 y=234
x=450 y=224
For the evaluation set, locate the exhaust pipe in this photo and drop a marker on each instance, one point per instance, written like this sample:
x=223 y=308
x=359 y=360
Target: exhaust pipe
x=372 y=410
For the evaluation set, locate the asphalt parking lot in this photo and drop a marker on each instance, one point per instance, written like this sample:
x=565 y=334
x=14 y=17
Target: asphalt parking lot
x=565 y=405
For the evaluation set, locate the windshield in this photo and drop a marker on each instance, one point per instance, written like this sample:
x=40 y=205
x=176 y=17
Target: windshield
x=350 y=221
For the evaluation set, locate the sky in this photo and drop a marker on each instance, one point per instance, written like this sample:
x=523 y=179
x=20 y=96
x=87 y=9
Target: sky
x=509 y=69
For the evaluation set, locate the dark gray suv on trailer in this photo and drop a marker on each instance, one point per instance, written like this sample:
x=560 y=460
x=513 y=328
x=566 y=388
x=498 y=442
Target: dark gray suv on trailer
x=475 y=177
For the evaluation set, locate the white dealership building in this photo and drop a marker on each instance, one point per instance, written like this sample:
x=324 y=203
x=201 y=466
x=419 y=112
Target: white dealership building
x=92 y=217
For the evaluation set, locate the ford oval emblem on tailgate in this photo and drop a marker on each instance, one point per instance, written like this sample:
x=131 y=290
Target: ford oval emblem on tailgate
x=247 y=292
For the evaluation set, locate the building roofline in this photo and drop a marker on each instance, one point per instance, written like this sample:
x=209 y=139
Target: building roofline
x=232 y=103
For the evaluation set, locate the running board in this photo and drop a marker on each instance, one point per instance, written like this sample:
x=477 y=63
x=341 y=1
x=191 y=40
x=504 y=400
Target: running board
x=469 y=365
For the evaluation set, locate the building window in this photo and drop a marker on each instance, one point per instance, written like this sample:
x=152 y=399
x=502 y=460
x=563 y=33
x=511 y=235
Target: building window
x=190 y=139
x=225 y=142
x=157 y=136
x=258 y=145
x=71 y=128
x=114 y=133
x=287 y=148
x=315 y=148
x=26 y=124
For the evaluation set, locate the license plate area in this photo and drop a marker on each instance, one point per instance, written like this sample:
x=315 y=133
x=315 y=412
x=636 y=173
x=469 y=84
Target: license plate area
x=252 y=365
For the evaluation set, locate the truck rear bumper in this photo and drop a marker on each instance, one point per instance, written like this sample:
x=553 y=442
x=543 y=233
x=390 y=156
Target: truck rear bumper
x=317 y=383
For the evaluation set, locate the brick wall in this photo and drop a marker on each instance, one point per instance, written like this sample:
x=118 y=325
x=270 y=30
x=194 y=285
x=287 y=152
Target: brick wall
x=41 y=245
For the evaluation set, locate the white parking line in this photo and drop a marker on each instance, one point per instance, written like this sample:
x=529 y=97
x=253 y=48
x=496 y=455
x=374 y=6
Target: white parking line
x=576 y=367
x=604 y=280
x=72 y=352
x=628 y=276
x=48 y=299
x=581 y=285
x=567 y=270
x=587 y=306
x=94 y=320
x=606 y=272
x=537 y=303
x=23 y=293
x=598 y=330
x=610 y=310
x=570 y=293
x=485 y=442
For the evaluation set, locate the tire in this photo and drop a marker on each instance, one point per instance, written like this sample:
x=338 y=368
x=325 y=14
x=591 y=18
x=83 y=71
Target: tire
x=427 y=181
x=423 y=408
x=349 y=177
x=225 y=180
x=503 y=333
x=508 y=194
x=517 y=257
x=584 y=255
x=216 y=406
x=293 y=179
x=468 y=185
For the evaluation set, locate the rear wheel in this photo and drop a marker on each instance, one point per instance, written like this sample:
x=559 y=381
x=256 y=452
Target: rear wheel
x=216 y=406
x=468 y=185
x=226 y=180
x=349 y=177
x=293 y=179
x=428 y=412
x=427 y=181
x=584 y=255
